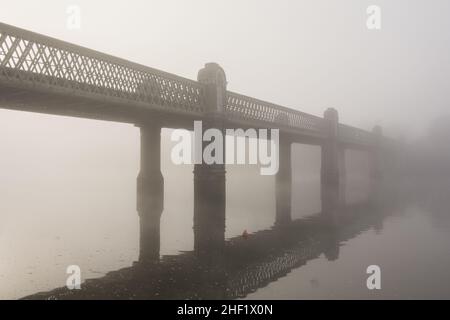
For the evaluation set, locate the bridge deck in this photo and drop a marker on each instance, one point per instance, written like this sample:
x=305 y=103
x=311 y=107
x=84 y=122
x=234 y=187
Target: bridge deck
x=43 y=74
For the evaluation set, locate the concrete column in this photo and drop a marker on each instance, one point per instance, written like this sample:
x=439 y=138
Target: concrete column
x=331 y=245
x=376 y=171
x=376 y=166
x=283 y=183
x=342 y=176
x=209 y=179
x=150 y=192
x=330 y=162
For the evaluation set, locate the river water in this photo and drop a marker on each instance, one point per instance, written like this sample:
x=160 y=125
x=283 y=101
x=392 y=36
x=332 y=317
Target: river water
x=68 y=198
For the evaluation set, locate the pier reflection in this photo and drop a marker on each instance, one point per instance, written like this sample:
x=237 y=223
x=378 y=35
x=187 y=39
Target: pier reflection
x=244 y=265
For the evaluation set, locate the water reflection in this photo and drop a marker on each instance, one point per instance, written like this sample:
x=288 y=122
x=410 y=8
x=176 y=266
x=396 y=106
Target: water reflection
x=434 y=199
x=245 y=265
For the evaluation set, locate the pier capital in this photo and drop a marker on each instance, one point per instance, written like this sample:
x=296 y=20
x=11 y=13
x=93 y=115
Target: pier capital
x=214 y=78
x=331 y=114
x=377 y=130
x=331 y=117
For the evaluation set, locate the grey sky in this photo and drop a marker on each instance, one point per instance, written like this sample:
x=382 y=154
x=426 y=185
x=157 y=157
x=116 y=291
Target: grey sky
x=307 y=55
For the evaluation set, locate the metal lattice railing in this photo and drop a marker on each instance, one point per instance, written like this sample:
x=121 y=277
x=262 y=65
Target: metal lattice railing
x=240 y=106
x=32 y=60
x=354 y=135
x=36 y=59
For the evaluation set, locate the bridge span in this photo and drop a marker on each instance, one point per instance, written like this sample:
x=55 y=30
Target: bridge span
x=46 y=75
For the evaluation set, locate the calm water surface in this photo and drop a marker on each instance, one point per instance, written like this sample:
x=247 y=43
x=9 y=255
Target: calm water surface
x=72 y=201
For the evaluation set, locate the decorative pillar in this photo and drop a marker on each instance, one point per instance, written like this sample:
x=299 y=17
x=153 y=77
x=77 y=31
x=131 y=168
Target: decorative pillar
x=283 y=183
x=375 y=161
x=342 y=176
x=209 y=179
x=150 y=192
x=376 y=166
x=330 y=162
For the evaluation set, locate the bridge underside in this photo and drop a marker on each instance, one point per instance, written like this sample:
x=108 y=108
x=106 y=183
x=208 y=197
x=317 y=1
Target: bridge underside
x=40 y=100
x=71 y=105
x=47 y=75
x=44 y=75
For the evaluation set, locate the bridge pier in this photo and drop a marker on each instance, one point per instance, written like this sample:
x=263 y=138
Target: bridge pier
x=209 y=208
x=376 y=166
x=209 y=179
x=376 y=173
x=330 y=164
x=150 y=192
x=283 y=183
x=342 y=176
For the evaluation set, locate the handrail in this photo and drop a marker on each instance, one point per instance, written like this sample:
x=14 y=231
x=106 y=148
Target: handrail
x=83 y=69
x=38 y=60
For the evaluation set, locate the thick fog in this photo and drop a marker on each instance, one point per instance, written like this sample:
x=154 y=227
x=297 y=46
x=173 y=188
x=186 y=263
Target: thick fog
x=69 y=185
x=308 y=55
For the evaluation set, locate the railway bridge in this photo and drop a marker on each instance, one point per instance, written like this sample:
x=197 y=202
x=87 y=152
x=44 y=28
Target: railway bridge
x=46 y=75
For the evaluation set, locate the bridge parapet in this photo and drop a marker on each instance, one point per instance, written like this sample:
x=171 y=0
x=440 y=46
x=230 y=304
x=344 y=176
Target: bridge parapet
x=31 y=61
x=244 y=107
x=355 y=136
x=39 y=61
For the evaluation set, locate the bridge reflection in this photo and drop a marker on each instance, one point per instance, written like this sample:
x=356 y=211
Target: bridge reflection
x=244 y=265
